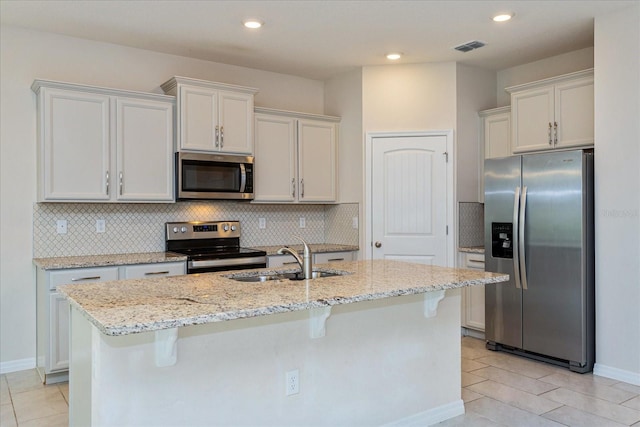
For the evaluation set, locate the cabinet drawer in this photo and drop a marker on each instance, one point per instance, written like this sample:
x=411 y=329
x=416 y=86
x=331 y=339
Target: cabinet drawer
x=475 y=261
x=325 y=257
x=82 y=275
x=147 y=271
x=282 y=260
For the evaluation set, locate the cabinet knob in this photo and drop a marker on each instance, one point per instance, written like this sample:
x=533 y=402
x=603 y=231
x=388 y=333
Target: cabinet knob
x=378 y=244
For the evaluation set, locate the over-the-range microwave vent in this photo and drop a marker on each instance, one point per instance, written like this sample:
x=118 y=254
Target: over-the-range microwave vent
x=466 y=47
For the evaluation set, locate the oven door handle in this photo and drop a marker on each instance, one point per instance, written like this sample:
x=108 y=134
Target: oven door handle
x=227 y=262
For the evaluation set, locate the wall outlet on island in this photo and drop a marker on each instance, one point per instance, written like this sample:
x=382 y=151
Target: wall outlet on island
x=292 y=384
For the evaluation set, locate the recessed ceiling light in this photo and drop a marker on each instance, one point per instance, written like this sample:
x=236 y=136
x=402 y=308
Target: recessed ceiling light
x=503 y=17
x=253 y=23
x=394 y=56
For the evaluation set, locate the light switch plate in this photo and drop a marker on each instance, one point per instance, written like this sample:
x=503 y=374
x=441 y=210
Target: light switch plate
x=262 y=223
x=303 y=222
x=101 y=225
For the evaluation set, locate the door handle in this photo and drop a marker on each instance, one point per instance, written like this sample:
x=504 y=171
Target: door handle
x=516 y=230
x=378 y=244
x=522 y=222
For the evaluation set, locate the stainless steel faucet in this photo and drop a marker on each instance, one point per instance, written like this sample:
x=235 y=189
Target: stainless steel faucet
x=305 y=262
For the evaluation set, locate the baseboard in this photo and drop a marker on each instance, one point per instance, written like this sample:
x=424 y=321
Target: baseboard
x=432 y=416
x=617 y=374
x=17 y=365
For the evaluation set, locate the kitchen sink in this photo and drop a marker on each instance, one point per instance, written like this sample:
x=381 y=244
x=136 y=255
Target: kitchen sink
x=261 y=277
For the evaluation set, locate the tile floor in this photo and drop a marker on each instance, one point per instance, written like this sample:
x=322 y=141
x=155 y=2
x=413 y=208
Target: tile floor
x=498 y=390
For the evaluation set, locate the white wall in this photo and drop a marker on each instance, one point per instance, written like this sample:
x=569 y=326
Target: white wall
x=617 y=180
x=542 y=69
x=26 y=55
x=475 y=91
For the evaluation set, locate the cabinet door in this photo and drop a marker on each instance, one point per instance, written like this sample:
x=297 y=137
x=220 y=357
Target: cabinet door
x=144 y=146
x=574 y=113
x=532 y=113
x=316 y=161
x=474 y=298
x=75 y=145
x=275 y=164
x=497 y=136
x=146 y=271
x=236 y=122
x=59 y=330
x=198 y=118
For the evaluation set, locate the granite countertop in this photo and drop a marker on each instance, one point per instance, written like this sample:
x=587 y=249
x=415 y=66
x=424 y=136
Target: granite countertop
x=59 y=263
x=130 y=306
x=472 y=249
x=315 y=248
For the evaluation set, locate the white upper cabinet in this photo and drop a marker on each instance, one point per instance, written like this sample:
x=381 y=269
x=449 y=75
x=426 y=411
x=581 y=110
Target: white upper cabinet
x=212 y=117
x=495 y=139
x=103 y=145
x=295 y=157
x=553 y=113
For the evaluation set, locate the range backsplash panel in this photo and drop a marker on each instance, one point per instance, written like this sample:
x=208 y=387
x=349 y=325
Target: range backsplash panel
x=133 y=228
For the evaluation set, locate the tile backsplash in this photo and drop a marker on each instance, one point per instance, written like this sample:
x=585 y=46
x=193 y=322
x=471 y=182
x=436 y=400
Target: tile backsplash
x=470 y=224
x=132 y=228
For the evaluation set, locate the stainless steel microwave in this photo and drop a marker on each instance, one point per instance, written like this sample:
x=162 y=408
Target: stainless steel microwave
x=214 y=176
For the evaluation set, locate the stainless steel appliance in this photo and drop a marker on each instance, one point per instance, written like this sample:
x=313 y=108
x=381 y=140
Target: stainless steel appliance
x=214 y=176
x=539 y=230
x=212 y=246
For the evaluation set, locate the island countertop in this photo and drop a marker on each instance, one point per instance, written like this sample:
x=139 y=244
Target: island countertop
x=126 y=307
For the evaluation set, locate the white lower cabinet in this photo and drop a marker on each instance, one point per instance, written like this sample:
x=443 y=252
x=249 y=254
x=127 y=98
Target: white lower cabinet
x=53 y=309
x=472 y=311
x=318 y=258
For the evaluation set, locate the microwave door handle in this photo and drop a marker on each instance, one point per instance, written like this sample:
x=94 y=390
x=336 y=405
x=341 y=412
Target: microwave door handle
x=243 y=177
x=516 y=230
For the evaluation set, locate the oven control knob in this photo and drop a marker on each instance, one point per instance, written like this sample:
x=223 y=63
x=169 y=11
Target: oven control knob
x=225 y=227
x=233 y=228
x=183 y=229
x=175 y=229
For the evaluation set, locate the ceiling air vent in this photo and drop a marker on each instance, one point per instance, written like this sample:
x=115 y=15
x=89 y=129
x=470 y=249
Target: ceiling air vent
x=466 y=47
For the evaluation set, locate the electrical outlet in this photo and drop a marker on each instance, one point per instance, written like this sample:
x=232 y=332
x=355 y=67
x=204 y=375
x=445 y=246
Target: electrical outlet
x=262 y=223
x=303 y=222
x=354 y=222
x=101 y=225
x=61 y=226
x=292 y=385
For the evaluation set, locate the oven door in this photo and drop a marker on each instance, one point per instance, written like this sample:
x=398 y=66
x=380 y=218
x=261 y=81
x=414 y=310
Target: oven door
x=211 y=176
x=227 y=264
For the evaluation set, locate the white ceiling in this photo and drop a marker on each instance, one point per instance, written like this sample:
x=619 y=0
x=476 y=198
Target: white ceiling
x=319 y=39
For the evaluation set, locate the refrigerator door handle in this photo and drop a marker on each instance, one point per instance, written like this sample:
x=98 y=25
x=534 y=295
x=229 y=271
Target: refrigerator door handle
x=521 y=223
x=516 y=240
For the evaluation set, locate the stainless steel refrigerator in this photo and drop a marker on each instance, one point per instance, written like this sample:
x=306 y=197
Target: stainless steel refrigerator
x=539 y=230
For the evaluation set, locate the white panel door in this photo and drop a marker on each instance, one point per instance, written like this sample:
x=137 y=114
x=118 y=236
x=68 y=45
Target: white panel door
x=198 y=118
x=144 y=145
x=316 y=161
x=275 y=164
x=409 y=199
x=76 y=151
x=236 y=122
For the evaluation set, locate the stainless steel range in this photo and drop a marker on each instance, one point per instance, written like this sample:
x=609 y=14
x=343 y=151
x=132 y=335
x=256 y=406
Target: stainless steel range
x=212 y=246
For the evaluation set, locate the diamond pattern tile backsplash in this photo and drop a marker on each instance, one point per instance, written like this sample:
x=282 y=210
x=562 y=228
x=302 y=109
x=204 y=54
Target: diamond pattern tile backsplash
x=471 y=224
x=133 y=228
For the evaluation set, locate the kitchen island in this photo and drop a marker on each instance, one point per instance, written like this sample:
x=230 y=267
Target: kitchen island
x=377 y=345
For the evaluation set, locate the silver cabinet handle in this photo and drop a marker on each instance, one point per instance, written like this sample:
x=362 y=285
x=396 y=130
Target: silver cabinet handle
x=152 y=273
x=85 y=278
x=221 y=136
x=555 y=133
x=516 y=228
x=107 y=186
x=120 y=183
x=218 y=136
x=378 y=244
x=335 y=259
x=243 y=178
x=290 y=262
x=302 y=188
x=523 y=263
x=549 y=133
x=293 y=187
